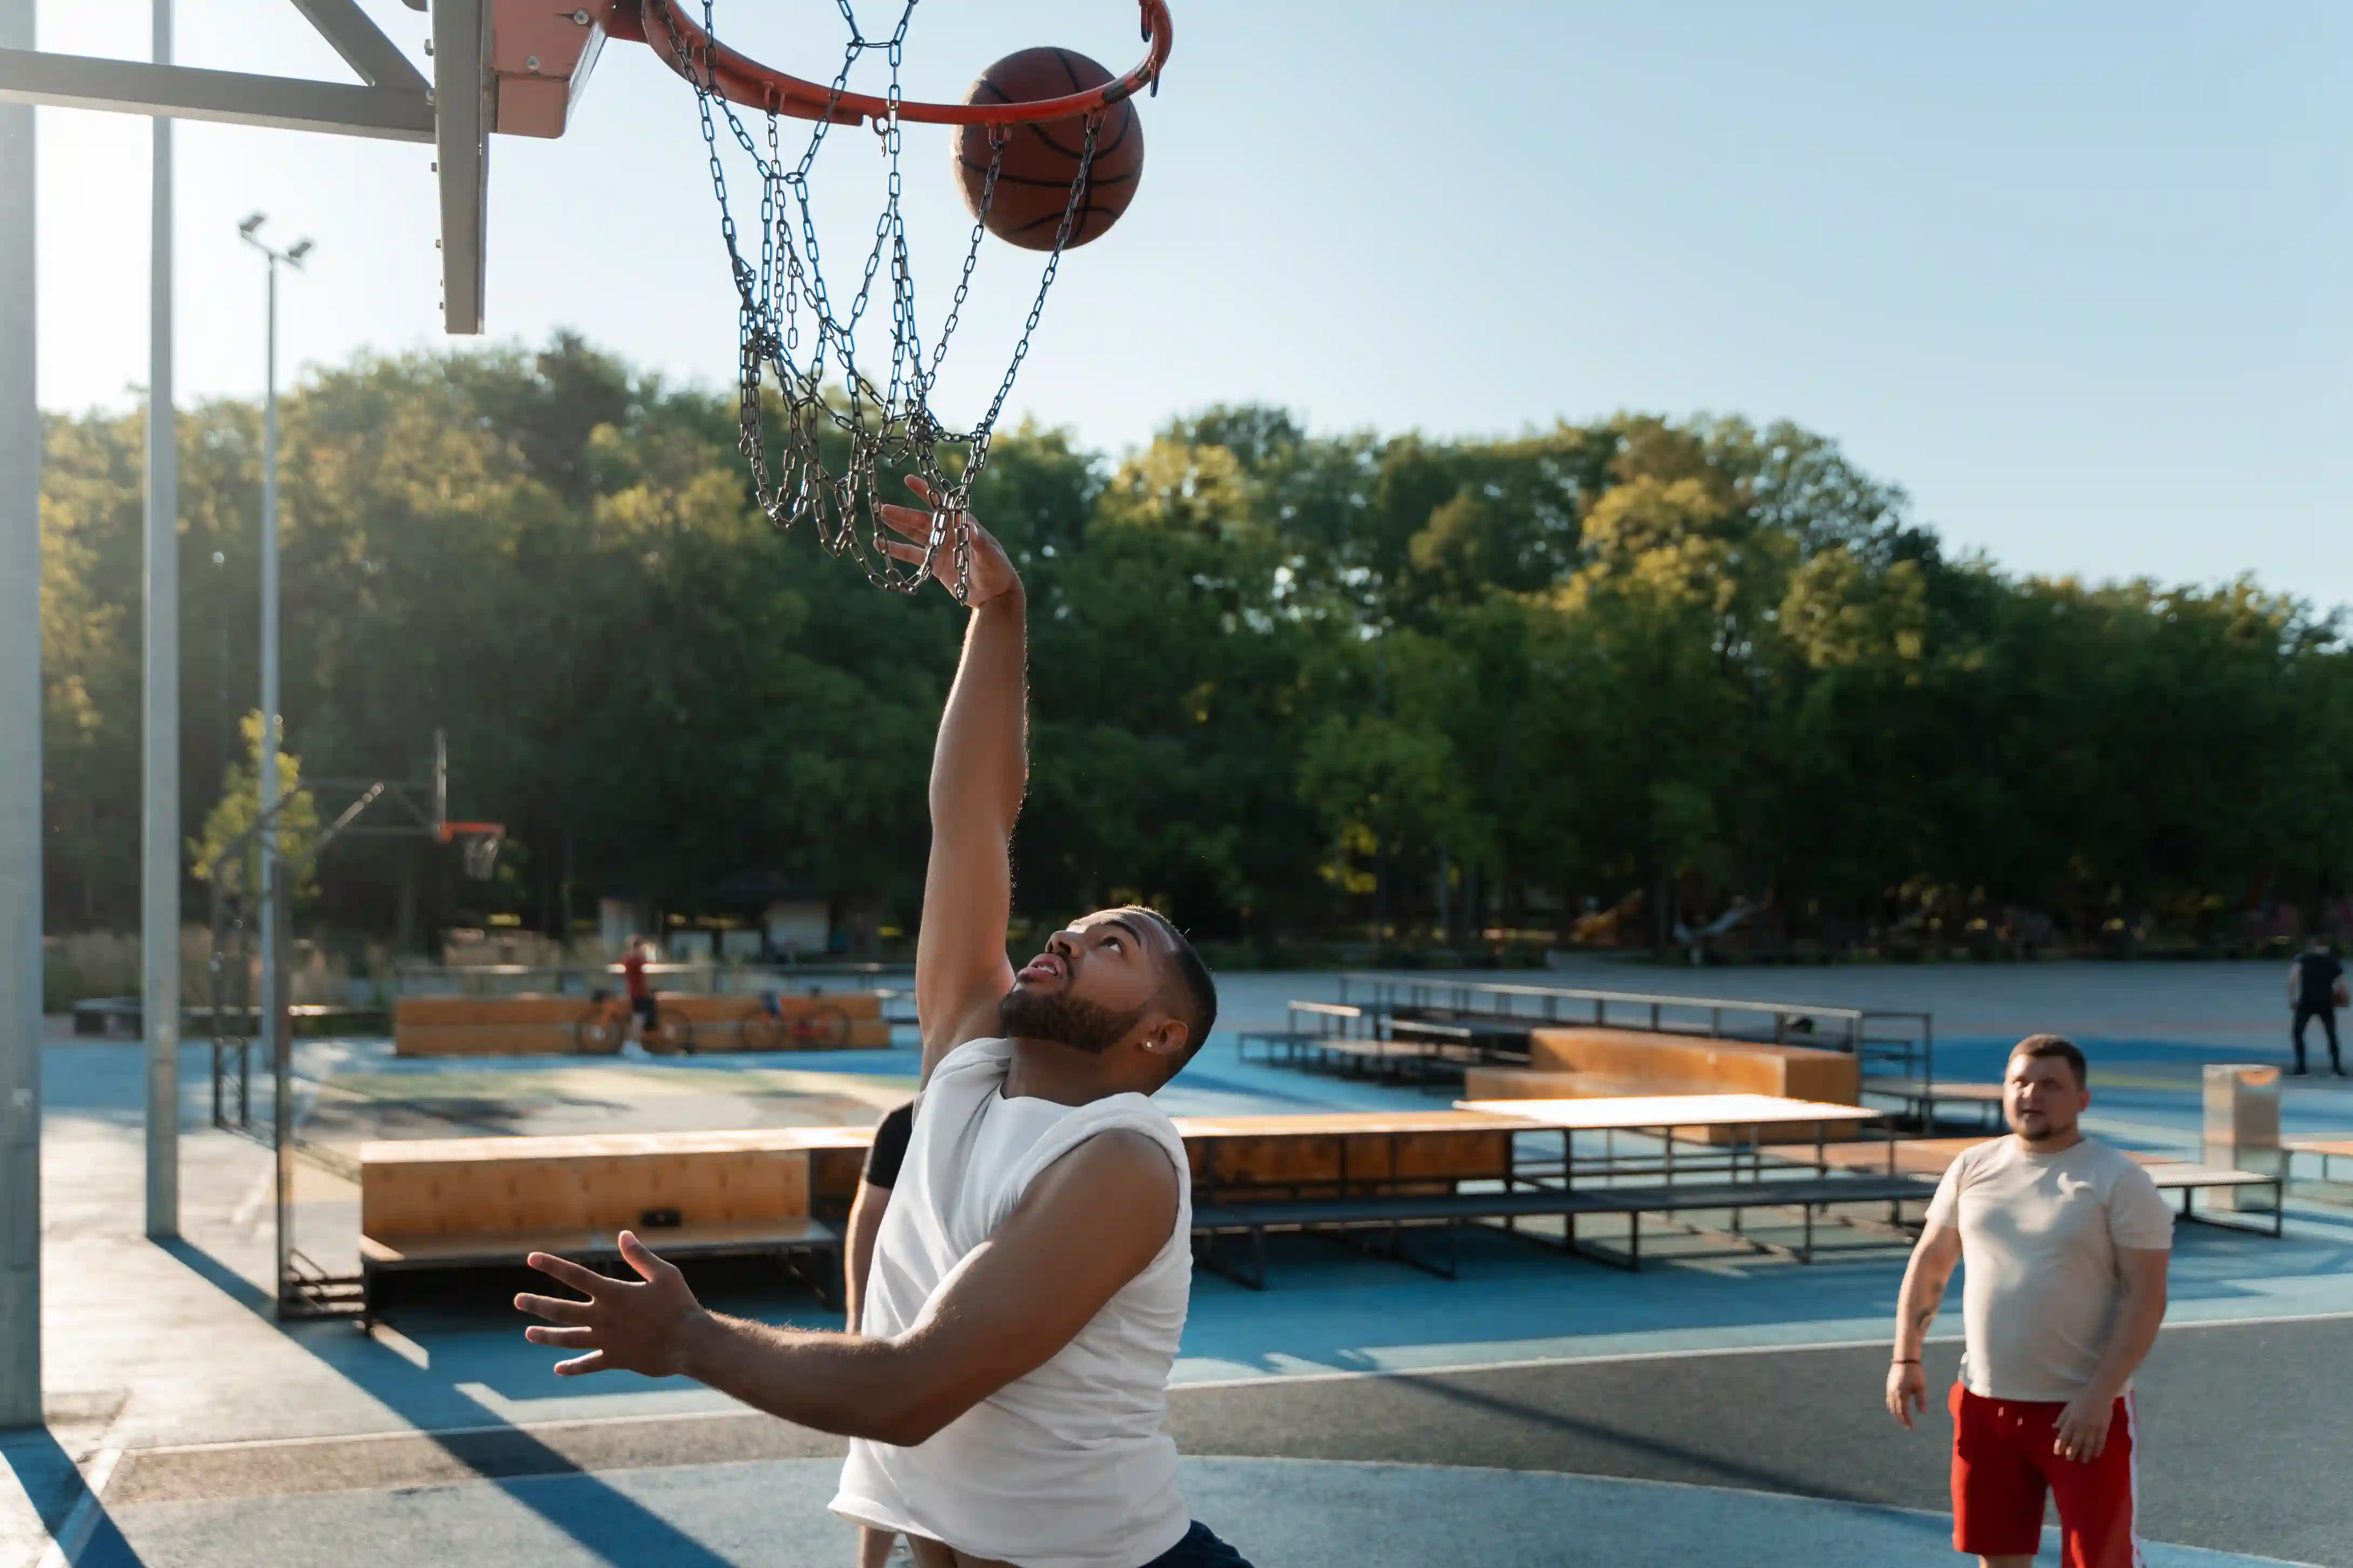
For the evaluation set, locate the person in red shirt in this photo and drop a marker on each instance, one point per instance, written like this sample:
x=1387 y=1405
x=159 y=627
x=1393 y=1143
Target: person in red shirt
x=647 y=1017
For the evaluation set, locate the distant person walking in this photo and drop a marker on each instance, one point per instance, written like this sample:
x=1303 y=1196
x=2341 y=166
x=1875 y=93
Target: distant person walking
x=645 y=1015
x=2067 y=1243
x=2316 y=989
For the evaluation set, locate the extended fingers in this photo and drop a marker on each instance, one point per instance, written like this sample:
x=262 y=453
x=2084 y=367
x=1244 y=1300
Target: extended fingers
x=561 y=1339
x=593 y=1362
x=580 y=1278
x=916 y=523
x=910 y=520
x=554 y=1308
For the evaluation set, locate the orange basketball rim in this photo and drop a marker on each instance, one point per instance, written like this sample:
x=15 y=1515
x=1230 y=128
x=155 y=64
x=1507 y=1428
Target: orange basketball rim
x=695 y=55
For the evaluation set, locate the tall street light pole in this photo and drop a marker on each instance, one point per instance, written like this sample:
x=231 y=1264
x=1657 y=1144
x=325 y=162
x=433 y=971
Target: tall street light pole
x=273 y=980
x=20 y=764
x=159 y=853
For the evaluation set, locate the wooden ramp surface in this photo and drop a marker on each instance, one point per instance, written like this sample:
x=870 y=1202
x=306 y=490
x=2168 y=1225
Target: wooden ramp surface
x=1640 y=1112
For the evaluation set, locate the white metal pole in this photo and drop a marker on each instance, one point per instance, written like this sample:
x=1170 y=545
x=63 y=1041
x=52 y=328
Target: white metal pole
x=20 y=764
x=159 y=894
x=266 y=759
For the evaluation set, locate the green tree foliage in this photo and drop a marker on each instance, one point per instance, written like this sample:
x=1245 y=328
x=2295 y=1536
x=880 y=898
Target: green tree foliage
x=1285 y=683
x=227 y=852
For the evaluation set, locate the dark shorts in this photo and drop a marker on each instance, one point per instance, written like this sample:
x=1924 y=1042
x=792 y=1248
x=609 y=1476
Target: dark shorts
x=1199 y=1549
x=643 y=1006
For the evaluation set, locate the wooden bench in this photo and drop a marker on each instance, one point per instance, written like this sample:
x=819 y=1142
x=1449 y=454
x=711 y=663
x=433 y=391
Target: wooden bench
x=2327 y=1148
x=1920 y=1096
x=1487 y=1036
x=485 y=1202
x=1419 y=1062
x=1570 y=1063
x=1397 y=1212
x=549 y=1025
x=2187 y=1178
x=455 y=1203
x=1931 y=1157
x=1306 y=1024
x=1341 y=1154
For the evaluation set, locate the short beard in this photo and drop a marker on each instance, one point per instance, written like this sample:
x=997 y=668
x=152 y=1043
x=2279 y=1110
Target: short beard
x=1065 y=1020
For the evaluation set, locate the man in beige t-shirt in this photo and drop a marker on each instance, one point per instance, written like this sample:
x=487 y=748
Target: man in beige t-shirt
x=2067 y=1242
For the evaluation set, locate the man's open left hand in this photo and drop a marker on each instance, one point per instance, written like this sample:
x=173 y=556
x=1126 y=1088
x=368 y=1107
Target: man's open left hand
x=624 y=1325
x=990 y=571
x=2083 y=1431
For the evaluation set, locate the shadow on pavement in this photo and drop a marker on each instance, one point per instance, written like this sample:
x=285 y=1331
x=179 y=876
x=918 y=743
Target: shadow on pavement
x=604 y=1520
x=55 y=1483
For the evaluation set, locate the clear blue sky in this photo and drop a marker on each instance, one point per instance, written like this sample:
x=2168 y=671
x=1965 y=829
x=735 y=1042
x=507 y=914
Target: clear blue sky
x=2079 y=278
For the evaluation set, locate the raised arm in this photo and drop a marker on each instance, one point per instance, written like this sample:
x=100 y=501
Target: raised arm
x=1091 y=1223
x=980 y=767
x=1925 y=1278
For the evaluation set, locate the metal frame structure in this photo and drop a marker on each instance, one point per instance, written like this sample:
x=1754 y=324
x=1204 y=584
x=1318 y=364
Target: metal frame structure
x=305 y=1287
x=159 y=843
x=20 y=762
x=391 y=100
x=1911 y=1053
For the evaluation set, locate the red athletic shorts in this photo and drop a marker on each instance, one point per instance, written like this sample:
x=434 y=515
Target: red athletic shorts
x=2003 y=1467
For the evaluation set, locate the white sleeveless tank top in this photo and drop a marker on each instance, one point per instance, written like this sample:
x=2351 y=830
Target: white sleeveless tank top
x=1067 y=1467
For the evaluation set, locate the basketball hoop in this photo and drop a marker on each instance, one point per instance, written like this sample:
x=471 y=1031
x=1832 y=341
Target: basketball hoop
x=828 y=464
x=478 y=844
x=711 y=66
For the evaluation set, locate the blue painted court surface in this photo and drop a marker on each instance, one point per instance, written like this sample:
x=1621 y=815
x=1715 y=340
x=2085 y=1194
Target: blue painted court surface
x=1535 y=1410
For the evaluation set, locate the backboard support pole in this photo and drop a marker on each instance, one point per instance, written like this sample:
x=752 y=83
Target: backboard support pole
x=159 y=863
x=20 y=762
x=461 y=43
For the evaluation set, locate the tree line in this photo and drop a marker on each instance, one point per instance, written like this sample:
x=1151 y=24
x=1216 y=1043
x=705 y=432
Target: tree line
x=1605 y=681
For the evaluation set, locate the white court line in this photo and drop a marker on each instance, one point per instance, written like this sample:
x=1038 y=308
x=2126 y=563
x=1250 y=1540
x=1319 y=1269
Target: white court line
x=73 y=1535
x=1270 y=1380
x=1529 y=1364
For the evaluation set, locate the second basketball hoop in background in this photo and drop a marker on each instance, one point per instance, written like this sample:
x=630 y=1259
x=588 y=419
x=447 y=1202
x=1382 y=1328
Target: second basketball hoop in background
x=1038 y=160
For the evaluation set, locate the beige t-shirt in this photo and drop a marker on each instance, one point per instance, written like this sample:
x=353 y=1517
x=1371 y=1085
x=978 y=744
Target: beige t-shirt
x=2038 y=1240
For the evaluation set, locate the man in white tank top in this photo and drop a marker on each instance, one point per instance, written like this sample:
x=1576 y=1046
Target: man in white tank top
x=1005 y=1389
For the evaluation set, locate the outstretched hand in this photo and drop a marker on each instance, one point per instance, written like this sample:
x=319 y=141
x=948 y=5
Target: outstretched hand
x=624 y=1325
x=991 y=570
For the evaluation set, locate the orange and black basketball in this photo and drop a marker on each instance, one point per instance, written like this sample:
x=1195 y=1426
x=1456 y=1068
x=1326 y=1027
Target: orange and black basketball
x=1041 y=158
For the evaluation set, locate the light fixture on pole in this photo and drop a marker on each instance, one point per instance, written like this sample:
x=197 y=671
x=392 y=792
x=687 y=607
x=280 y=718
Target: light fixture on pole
x=271 y=1008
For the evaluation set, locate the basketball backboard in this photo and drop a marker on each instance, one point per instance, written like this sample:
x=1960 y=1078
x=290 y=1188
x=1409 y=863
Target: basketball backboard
x=496 y=65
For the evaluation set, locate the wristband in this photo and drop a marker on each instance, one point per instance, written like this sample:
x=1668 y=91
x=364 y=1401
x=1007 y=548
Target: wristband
x=1905 y=1360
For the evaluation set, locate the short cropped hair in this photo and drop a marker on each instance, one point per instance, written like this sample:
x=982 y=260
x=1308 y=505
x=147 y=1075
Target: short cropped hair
x=1191 y=992
x=2058 y=1046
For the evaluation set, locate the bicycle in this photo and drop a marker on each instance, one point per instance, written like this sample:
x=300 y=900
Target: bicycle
x=606 y=1027
x=818 y=1027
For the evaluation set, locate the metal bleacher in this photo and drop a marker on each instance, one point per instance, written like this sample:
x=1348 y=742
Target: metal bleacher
x=1424 y=1030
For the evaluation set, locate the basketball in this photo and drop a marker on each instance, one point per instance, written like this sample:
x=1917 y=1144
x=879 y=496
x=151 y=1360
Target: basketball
x=1040 y=158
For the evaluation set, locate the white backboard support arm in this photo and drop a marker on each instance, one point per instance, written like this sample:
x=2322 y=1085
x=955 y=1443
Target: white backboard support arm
x=392 y=101
x=232 y=98
x=362 y=44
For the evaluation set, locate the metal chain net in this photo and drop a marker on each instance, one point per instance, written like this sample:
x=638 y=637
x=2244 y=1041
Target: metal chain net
x=828 y=462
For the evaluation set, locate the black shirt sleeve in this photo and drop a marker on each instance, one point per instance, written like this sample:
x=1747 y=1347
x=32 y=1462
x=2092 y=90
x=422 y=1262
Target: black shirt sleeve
x=889 y=1150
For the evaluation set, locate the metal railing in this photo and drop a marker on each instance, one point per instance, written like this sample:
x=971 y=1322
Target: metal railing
x=1900 y=1040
